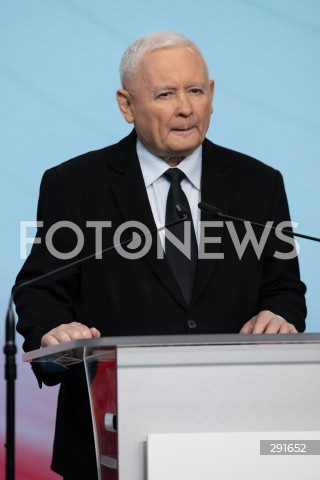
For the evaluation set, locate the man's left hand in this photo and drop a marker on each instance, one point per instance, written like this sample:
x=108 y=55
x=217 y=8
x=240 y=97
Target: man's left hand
x=267 y=322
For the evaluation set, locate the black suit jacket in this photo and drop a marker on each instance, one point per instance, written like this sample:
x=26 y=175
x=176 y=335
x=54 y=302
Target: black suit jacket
x=139 y=297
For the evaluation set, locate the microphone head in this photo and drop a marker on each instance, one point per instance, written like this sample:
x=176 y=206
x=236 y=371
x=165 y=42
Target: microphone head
x=214 y=211
x=182 y=211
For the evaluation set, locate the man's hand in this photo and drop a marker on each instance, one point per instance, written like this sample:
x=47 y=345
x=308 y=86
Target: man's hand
x=67 y=332
x=267 y=322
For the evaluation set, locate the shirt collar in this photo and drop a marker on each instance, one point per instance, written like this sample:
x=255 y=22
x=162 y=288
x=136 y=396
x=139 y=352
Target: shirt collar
x=154 y=167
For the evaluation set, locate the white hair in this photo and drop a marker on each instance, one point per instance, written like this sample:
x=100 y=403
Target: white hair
x=129 y=65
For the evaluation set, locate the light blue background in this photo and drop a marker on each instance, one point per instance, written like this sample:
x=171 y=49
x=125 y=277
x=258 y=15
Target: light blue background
x=59 y=72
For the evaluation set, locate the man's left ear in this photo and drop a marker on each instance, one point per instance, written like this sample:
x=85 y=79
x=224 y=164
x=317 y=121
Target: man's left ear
x=125 y=104
x=212 y=94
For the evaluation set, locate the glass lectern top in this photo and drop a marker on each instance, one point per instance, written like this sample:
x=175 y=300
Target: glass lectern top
x=73 y=352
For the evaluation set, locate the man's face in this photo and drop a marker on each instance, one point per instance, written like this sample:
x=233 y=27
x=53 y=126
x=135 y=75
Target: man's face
x=170 y=103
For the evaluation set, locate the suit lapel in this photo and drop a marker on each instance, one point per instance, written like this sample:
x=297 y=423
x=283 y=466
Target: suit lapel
x=132 y=199
x=215 y=190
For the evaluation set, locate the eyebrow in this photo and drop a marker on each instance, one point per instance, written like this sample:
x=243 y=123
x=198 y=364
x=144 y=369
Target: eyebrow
x=171 y=87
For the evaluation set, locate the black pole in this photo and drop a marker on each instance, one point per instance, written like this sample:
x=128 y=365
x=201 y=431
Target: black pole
x=10 y=374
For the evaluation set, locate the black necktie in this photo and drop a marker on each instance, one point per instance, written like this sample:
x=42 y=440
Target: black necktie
x=183 y=269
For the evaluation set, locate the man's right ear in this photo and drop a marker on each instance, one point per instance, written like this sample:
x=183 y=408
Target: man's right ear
x=125 y=104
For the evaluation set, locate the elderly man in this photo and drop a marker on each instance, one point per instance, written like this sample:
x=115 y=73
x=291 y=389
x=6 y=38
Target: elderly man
x=167 y=95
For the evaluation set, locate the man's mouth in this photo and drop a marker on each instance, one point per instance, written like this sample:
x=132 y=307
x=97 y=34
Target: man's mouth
x=183 y=130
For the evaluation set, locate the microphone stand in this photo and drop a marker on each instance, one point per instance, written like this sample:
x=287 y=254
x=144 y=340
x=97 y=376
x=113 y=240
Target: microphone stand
x=10 y=348
x=215 y=212
x=10 y=374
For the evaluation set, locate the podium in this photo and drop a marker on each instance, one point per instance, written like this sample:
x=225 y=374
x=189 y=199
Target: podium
x=160 y=400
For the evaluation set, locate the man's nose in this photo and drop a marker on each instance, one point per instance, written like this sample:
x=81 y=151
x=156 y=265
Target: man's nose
x=184 y=105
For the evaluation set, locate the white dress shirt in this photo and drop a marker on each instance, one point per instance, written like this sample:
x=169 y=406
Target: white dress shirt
x=157 y=185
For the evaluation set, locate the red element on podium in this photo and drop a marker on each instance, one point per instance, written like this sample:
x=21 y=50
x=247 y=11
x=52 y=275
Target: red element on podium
x=103 y=393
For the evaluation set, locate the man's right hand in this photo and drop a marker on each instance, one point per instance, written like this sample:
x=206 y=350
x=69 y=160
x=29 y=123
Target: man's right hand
x=67 y=332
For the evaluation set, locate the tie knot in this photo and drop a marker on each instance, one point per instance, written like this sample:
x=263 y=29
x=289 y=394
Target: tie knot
x=174 y=175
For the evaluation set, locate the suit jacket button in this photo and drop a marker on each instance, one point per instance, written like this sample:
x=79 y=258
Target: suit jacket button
x=192 y=323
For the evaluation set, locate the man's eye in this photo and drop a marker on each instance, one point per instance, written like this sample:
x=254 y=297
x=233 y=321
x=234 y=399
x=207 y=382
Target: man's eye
x=164 y=94
x=195 y=90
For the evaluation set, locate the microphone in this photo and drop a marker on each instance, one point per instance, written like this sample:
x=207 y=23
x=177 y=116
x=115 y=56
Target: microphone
x=10 y=348
x=216 y=212
x=182 y=212
x=183 y=216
